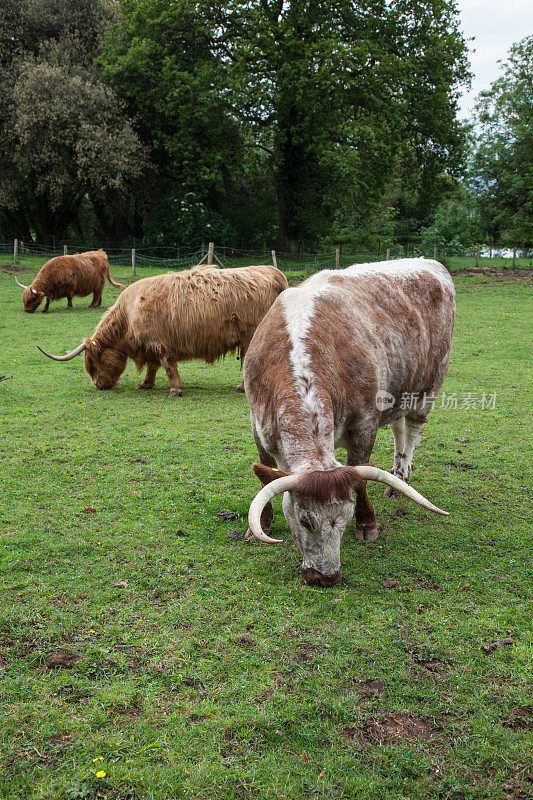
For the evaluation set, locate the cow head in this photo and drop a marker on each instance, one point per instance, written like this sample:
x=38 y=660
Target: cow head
x=318 y=506
x=105 y=364
x=31 y=298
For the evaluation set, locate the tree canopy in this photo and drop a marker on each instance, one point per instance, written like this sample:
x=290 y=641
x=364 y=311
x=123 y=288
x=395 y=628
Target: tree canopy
x=247 y=121
x=63 y=134
x=502 y=166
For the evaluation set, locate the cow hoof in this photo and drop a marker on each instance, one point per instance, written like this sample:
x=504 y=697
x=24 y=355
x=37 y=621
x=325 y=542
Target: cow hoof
x=44 y=311
x=367 y=533
x=240 y=388
x=175 y=393
x=145 y=386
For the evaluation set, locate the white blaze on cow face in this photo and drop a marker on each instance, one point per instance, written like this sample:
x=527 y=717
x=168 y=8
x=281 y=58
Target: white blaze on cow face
x=316 y=527
x=317 y=530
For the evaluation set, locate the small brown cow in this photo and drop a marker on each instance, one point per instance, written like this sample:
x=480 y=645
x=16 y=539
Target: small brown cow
x=203 y=313
x=69 y=276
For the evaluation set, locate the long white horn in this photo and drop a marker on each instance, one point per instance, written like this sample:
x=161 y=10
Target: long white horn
x=280 y=485
x=20 y=284
x=79 y=349
x=375 y=474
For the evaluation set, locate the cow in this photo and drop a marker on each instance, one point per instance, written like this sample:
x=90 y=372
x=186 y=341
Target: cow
x=346 y=352
x=203 y=313
x=71 y=276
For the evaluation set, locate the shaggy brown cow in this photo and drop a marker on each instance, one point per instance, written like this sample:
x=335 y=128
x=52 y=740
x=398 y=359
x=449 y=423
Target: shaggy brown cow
x=346 y=352
x=202 y=313
x=69 y=276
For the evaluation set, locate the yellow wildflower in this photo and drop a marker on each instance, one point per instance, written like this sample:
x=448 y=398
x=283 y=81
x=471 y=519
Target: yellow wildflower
x=101 y=774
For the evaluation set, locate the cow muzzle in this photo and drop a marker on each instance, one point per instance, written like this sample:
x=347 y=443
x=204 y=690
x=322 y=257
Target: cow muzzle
x=315 y=578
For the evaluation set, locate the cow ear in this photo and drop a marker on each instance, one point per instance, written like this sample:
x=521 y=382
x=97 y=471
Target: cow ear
x=267 y=474
x=92 y=344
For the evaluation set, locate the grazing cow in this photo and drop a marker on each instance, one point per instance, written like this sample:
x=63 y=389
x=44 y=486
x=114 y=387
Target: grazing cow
x=346 y=352
x=69 y=276
x=202 y=313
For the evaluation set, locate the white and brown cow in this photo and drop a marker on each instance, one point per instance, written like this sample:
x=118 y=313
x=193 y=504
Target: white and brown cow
x=334 y=359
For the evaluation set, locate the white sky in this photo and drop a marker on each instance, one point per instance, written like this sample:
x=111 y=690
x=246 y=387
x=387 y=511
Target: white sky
x=495 y=26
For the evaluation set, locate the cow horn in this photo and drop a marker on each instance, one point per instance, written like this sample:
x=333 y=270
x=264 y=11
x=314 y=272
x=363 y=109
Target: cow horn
x=79 y=349
x=366 y=473
x=280 y=485
x=19 y=283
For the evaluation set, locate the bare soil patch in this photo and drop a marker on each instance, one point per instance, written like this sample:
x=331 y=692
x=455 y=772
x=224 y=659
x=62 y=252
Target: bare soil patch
x=519 y=718
x=393 y=729
x=497 y=274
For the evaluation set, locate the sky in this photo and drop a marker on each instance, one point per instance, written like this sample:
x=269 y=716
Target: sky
x=495 y=26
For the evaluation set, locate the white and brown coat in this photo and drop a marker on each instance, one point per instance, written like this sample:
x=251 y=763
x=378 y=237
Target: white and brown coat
x=323 y=354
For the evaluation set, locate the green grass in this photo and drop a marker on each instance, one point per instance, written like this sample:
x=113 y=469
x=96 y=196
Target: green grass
x=153 y=597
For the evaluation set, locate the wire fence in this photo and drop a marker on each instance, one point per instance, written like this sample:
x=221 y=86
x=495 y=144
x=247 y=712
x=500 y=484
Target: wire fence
x=147 y=259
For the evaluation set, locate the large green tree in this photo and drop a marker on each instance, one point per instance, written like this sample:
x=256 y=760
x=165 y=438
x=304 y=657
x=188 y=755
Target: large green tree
x=502 y=166
x=63 y=134
x=316 y=99
x=335 y=89
x=159 y=58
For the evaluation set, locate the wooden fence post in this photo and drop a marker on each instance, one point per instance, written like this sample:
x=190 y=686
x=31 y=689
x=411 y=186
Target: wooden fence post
x=210 y=254
x=477 y=256
x=514 y=256
x=388 y=253
x=15 y=250
x=274 y=258
x=435 y=253
x=65 y=250
x=337 y=258
x=133 y=263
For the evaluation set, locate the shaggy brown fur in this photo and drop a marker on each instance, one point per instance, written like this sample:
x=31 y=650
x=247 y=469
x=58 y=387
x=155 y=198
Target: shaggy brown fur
x=323 y=486
x=69 y=276
x=199 y=313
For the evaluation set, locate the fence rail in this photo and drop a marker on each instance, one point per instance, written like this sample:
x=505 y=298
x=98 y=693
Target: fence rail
x=164 y=258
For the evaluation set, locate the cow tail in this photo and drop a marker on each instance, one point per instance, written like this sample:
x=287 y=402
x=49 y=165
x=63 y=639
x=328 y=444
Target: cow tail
x=110 y=279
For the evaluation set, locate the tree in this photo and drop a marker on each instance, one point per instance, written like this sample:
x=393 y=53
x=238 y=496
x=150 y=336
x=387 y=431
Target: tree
x=455 y=225
x=63 y=134
x=158 y=58
x=334 y=88
x=502 y=166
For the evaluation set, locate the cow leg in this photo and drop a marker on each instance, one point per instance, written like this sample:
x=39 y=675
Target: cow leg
x=398 y=431
x=46 y=306
x=244 y=348
x=69 y=304
x=359 y=451
x=97 y=300
x=171 y=368
x=267 y=515
x=151 y=371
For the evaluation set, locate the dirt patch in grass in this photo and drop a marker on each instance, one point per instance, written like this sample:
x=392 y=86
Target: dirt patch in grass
x=62 y=659
x=128 y=710
x=437 y=669
x=519 y=718
x=394 y=729
x=500 y=275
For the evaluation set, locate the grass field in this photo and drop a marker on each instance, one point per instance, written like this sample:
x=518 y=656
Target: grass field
x=147 y=651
